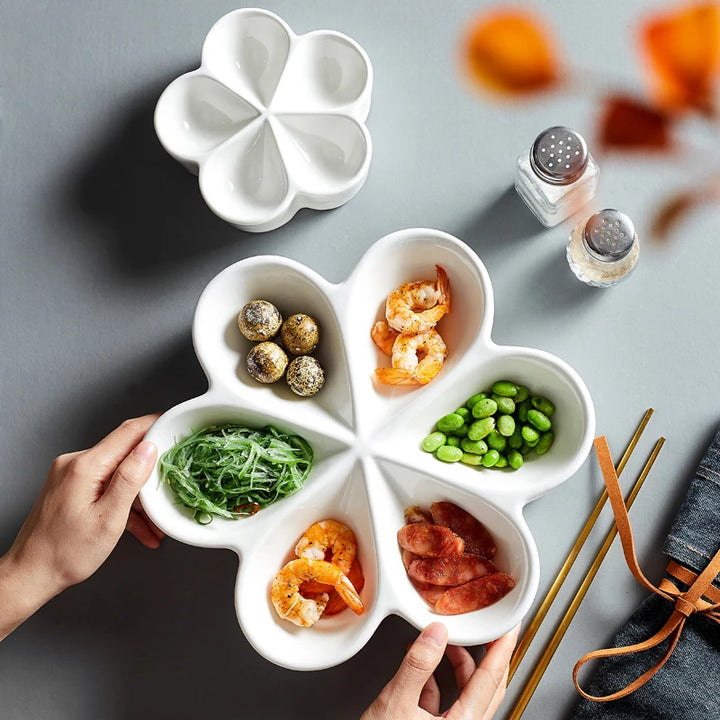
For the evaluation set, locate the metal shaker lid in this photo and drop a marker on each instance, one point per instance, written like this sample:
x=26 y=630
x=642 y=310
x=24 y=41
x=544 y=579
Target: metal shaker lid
x=609 y=234
x=559 y=155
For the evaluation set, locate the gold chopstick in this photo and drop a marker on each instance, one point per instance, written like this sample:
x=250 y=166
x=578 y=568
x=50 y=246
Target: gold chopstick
x=535 y=623
x=562 y=627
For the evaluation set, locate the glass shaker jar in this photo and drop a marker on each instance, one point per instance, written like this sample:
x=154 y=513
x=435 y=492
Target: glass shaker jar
x=604 y=249
x=557 y=176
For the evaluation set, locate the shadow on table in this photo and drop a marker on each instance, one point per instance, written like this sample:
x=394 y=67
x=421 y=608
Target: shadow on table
x=504 y=220
x=90 y=411
x=155 y=386
x=147 y=206
x=506 y=225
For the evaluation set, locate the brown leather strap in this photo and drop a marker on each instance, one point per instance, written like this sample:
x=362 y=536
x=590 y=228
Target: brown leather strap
x=688 y=577
x=685 y=603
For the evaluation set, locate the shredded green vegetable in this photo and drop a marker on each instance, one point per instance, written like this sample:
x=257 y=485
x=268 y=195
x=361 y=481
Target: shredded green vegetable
x=233 y=471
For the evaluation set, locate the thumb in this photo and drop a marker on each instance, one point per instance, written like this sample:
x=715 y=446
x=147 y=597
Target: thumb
x=419 y=663
x=131 y=474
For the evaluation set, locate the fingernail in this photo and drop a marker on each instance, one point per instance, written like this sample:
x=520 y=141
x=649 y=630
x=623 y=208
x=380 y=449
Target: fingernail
x=436 y=634
x=146 y=451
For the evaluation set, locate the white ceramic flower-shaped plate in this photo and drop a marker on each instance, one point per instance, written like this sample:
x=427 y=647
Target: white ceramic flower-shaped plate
x=271 y=121
x=366 y=438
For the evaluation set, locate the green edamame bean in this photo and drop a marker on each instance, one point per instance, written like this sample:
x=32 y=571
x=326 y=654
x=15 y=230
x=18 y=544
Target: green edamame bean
x=523 y=393
x=496 y=441
x=433 y=441
x=506 y=425
x=471 y=459
x=505 y=405
x=516 y=439
x=448 y=423
x=464 y=413
x=530 y=434
x=490 y=458
x=543 y=405
x=515 y=459
x=502 y=462
x=471 y=401
x=525 y=449
x=481 y=428
x=453 y=441
x=540 y=420
x=484 y=408
x=476 y=447
x=505 y=388
x=462 y=431
x=533 y=443
x=448 y=454
x=522 y=410
x=544 y=443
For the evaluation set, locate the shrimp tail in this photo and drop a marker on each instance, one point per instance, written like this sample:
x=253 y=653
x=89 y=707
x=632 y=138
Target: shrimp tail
x=349 y=595
x=443 y=286
x=426 y=371
x=383 y=336
x=396 y=376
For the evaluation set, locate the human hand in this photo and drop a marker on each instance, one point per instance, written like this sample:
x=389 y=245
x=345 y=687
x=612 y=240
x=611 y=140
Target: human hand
x=88 y=499
x=413 y=694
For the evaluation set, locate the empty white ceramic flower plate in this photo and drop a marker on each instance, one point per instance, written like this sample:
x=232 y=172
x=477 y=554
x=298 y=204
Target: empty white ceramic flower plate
x=271 y=121
x=366 y=438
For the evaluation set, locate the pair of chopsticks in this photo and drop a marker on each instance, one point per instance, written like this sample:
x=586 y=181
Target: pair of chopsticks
x=564 y=623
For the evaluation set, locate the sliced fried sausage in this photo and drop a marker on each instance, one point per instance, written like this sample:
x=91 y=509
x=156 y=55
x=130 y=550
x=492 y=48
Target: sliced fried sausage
x=430 y=540
x=474 y=595
x=476 y=536
x=450 y=570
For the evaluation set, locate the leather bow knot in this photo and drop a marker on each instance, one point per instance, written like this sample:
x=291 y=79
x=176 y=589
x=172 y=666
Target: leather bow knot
x=684 y=606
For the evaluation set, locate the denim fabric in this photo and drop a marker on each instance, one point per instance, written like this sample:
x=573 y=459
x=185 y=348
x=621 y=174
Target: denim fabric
x=688 y=685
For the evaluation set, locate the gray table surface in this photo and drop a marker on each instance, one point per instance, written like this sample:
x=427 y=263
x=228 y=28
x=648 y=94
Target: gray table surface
x=106 y=245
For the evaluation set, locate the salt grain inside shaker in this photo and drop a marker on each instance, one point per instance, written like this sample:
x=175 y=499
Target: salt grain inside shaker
x=557 y=176
x=604 y=249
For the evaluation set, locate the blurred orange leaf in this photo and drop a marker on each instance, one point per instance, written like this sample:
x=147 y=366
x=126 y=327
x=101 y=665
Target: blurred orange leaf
x=683 y=49
x=677 y=206
x=509 y=52
x=628 y=124
x=671 y=212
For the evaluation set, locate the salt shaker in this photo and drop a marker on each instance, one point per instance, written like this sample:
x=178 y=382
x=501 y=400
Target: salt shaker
x=557 y=176
x=603 y=249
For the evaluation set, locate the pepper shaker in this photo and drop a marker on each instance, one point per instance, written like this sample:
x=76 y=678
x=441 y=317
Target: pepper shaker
x=557 y=176
x=604 y=249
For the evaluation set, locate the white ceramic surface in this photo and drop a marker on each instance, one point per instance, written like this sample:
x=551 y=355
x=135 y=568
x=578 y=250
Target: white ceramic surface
x=365 y=436
x=271 y=121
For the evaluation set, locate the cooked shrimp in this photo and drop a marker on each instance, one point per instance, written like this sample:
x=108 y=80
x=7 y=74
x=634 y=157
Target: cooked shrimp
x=291 y=605
x=417 y=306
x=329 y=535
x=383 y=336
x=416 y=359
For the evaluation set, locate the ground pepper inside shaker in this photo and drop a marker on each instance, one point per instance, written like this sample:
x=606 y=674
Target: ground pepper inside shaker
x=557 y=175
x=604 y=249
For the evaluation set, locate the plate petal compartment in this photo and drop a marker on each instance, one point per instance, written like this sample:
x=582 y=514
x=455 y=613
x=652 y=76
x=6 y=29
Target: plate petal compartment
x=366 y=441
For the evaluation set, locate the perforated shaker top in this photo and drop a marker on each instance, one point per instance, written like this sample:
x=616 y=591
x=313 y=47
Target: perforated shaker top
x=559 y=155
x=609 y=234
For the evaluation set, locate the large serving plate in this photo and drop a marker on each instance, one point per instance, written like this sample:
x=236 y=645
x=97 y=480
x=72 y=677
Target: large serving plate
x=366 y=438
